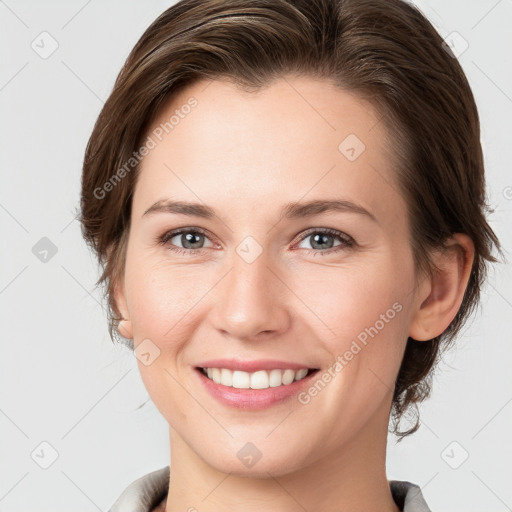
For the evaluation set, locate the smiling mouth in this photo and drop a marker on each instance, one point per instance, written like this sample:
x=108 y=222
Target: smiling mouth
x=261 y=379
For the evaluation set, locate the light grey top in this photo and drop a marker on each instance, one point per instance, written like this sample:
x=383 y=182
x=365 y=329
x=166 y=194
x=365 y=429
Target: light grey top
x=145 y=493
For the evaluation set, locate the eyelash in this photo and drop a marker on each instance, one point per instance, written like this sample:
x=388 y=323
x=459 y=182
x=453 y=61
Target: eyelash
x=347 y=241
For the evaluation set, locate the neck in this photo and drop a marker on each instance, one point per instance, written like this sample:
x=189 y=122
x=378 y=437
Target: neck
x=352 y=479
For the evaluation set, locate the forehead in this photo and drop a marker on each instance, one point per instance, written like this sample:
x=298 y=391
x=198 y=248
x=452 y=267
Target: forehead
x=251 y=151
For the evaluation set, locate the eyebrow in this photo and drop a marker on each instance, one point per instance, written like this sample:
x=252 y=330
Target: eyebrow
x=297 y=210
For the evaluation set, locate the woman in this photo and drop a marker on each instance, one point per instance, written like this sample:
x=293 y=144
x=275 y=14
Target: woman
x=288 y=199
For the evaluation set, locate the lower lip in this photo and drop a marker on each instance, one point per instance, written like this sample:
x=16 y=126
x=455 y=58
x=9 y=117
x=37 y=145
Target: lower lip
x=253 y=398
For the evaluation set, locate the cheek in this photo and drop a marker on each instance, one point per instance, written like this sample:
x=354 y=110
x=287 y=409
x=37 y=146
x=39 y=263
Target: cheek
x=162 y=298
x=346 y=299
x=361 y=313
x=162 y=303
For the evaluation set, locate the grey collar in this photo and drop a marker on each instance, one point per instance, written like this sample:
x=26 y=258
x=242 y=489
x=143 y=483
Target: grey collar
x=145 y=493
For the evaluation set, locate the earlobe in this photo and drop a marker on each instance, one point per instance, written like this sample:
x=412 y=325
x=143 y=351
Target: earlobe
x=440 y=297
x=124 y=327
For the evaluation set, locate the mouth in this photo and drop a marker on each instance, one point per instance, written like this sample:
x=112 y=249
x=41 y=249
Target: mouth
x=254 y=390
x=254 y=384
x=261 y=379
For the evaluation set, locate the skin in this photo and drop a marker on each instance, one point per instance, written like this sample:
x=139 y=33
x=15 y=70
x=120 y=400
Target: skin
x=246 y=155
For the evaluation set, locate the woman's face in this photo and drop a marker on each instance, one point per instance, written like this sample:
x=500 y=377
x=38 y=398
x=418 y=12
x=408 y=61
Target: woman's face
x=270 y=274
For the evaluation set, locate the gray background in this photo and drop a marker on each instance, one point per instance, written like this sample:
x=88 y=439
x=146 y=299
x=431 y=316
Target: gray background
x=63 y=382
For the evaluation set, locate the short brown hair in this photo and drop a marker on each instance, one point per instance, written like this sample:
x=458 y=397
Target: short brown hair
x=385 y=51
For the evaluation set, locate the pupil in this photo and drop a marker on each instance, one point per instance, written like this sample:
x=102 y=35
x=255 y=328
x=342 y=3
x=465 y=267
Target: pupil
x=189 y=239
x=321 y=239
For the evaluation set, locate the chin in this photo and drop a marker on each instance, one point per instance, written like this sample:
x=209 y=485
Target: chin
x=247 y=460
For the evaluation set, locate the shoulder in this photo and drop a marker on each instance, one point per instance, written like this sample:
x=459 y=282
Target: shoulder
x=408 y=496
x=148 y=494
x=145 y=493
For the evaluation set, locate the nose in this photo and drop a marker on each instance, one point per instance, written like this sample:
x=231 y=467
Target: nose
x=251 y=301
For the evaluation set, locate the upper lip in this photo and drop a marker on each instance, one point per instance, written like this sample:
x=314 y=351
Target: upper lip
x=251 y=366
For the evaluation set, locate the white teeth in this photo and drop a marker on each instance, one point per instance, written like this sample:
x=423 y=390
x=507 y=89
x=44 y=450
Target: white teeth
x=275 y=378
x=288 y=376
x=241 y=380
x=226 y=377
x=261 y=379
x=216 y=375
x=301 y=374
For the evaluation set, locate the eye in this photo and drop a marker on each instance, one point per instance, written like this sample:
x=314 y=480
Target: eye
x=322 y=240
x=192 y=240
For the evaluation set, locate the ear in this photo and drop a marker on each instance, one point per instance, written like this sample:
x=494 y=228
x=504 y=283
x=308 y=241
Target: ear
x=440 y=297
x=119 y=295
